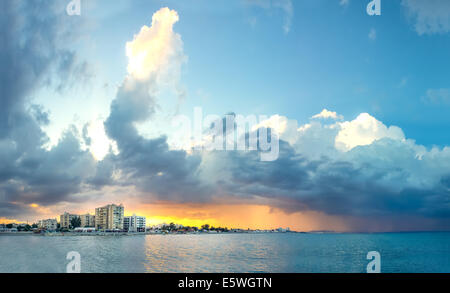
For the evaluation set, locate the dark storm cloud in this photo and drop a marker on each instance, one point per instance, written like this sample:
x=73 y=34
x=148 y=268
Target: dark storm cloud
x=333 y=187
x=33 y=35
x=103 y=173
x=148 y=163
x=33 y=54
x=13 y=211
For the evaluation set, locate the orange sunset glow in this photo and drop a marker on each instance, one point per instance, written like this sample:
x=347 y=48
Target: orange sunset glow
x=241 y=216
x=237 y=216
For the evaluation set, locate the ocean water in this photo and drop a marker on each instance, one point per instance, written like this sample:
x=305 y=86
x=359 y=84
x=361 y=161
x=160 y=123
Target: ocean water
x=285 y=253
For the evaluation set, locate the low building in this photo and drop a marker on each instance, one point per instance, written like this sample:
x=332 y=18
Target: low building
x=87 y=220
x=66 y=219
x=48 y=224
x=282 y=230
x=85 y=230
x=134 y=223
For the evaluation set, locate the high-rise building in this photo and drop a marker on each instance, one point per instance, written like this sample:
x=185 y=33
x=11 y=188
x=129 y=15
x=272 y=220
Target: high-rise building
x=101 y=218
x=109 y=217
x=66 y=219
x=134 y=223
x=87 y=220
x=48 y=224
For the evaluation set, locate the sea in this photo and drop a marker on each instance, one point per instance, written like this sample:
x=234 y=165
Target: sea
x=423 y=252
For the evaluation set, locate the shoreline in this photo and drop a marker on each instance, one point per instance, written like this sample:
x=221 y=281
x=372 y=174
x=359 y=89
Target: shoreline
x=120 y=234
x=125 y=234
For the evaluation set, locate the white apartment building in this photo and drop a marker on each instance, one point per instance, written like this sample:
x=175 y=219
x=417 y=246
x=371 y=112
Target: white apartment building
x=109 y=217
x=65 y=220
x=87 y=220
x=134 y=223
x=48 y=224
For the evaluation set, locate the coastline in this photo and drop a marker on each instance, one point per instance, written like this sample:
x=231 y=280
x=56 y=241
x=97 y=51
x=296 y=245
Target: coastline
x=119 y=234
x=125 y=234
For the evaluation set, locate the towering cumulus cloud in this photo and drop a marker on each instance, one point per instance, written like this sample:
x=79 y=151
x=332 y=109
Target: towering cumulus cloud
x=155 y=57
x=156 y=52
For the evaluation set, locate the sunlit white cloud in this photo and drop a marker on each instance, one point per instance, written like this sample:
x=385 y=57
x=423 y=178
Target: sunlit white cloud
x=325 y=114
x=156 y=50
x=99 y=144
x=364 y=130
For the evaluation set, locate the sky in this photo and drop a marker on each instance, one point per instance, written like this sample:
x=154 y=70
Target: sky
x=360 y=105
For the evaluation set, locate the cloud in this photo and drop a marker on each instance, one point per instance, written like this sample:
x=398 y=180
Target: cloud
x=35 y=55
x=155 y=56
x=372 y=34
x=429 y=17
x=340 y=187
x=325 y=114
x=344 y=2
x=403 y=82
x=357 y=168
x=94 y=136
x=438 y=96
x=156 y=50
x=375 y=173
x=285 y=5
x=149 y=164
x=364 y=130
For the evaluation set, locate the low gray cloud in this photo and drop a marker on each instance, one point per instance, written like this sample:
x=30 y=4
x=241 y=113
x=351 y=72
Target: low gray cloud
x=336 y=187
x=148 y=163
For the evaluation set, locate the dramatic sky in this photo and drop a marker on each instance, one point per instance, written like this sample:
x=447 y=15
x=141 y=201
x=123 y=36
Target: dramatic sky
x=361 y=104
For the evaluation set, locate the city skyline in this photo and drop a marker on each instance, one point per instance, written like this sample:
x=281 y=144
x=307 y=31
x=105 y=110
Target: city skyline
x=129 y=219
x=358 y=105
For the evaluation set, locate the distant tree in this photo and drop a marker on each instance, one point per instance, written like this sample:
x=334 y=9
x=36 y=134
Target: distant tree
x=172 y=227
x=205 y=227
x=24 y=228
x=34 y=226
x=75 y=222
x=9 y=226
